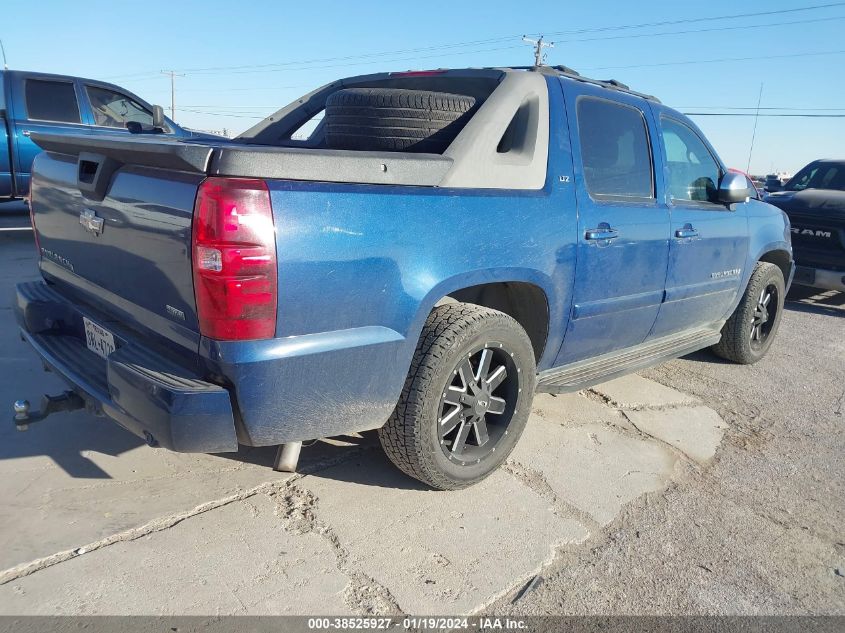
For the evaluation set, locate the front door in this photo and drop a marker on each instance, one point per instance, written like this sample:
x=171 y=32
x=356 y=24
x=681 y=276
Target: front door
x=623 y=231
x=709 y=242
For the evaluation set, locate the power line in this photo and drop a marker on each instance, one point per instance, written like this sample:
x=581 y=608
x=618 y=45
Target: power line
x=719 y=60
x=382 y=62
x=440 y=47
x=763 y=108
x=227 y=114
x=707 y=30
x=228 y=107
x=754 y=133
x=806 y=116
x=755 y=14
x=360 y=56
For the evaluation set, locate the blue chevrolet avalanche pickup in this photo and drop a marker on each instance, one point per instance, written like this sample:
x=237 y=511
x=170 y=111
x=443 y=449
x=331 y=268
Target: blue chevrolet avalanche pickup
x=39 y=103
x=416 y=253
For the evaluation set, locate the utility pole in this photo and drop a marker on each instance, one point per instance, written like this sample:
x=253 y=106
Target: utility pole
x=538 y=45
x=173 y=74
x=3 y=49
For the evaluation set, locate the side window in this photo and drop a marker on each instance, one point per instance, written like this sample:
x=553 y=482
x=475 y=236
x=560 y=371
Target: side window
x=113 y=109
x=615 y=150
x=51 y=101
x=693 y=172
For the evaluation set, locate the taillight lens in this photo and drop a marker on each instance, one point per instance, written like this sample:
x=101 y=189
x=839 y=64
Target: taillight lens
x=234 y=259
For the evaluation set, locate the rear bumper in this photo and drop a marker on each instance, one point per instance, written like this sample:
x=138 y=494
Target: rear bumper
x=277 y=390
x=145 y=393
x=820 y=278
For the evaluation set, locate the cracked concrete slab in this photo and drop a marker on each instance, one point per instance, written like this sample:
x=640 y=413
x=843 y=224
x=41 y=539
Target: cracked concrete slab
x=171 y=533
x=592 y=467
x=238 y=559
x=74 y=479
x=572 y=409
x=439 y=552
x=631 y=392
x=695 y=431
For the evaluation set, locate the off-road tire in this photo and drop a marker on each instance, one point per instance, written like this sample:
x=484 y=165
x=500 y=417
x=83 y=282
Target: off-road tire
x=736 y=344
x=386 y=119
x=410 y=437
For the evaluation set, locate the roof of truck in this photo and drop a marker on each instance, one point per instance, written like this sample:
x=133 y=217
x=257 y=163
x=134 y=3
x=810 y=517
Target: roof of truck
x=565 y=71
x=557 y=71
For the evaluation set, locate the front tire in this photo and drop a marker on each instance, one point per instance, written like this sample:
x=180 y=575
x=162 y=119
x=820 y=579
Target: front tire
x=748 y=334
x=466 y=398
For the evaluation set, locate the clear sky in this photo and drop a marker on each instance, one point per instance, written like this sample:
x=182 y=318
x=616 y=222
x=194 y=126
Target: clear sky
x=242 y=61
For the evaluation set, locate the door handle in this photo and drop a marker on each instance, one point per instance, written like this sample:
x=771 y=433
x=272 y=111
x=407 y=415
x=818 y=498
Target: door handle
x=603 y=233
x=687 y=232
x=25 y=132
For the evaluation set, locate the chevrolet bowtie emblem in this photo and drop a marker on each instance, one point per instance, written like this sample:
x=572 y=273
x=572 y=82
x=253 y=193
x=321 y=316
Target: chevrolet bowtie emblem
x=90 y=222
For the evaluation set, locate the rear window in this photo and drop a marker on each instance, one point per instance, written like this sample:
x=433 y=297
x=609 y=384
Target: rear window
x=51 y=101
x=615 y=149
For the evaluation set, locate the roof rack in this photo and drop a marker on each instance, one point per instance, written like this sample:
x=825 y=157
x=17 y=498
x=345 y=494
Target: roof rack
x=565 y=71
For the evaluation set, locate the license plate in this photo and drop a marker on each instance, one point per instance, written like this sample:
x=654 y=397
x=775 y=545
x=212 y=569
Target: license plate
x=98 y=339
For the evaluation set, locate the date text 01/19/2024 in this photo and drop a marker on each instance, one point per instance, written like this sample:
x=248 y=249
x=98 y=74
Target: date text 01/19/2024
x=416 y=623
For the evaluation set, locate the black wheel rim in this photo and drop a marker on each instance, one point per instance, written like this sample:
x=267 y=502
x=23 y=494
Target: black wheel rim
x=763 y=319
x=478 y=404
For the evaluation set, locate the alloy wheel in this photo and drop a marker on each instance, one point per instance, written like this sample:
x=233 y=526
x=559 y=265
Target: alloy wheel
x=763 y=318
x=478 y=403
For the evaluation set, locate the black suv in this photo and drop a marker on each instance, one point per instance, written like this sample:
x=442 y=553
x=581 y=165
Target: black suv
x=814 y=200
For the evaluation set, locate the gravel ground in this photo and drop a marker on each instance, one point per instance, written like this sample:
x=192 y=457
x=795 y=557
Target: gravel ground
x=757 y=531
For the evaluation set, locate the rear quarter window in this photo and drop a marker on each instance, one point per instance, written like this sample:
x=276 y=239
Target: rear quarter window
x=51 y=101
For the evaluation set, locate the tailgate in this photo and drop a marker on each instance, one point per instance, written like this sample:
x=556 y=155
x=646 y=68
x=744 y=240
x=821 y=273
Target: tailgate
x=113 y=222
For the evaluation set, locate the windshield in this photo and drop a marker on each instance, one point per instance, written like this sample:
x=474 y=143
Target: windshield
x=819 y=176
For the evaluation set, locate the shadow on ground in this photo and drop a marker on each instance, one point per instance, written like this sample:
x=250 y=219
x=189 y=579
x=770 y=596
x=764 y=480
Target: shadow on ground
x=816 y=301
x=363 y=461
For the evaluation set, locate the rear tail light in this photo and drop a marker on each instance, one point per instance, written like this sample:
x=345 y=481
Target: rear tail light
x=234 y=260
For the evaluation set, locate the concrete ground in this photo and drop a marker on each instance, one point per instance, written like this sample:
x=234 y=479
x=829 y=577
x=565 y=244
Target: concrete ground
x=608 y=497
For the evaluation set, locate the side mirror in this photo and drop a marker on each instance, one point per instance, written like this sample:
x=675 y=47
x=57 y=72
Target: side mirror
x=158 y=117
x=733 y=188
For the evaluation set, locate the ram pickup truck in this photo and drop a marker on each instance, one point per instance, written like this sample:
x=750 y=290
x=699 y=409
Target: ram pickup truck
x=434 y=248
x=39 y=103
x=814 y=200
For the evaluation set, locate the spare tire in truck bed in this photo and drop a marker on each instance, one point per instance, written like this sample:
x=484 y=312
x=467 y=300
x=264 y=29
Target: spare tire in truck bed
x=395 y=120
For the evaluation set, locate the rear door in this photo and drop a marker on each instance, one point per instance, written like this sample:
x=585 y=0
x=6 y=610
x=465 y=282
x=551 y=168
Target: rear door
x=709 y=241
x=47 y=105
x=623 y=230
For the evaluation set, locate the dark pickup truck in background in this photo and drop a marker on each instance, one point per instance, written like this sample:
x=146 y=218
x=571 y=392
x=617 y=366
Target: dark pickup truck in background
x=39 y=103
x=442 y=244
x=814 y=200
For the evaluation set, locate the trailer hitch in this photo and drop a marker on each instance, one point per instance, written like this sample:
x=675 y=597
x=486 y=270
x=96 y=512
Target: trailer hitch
x=67 y=401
